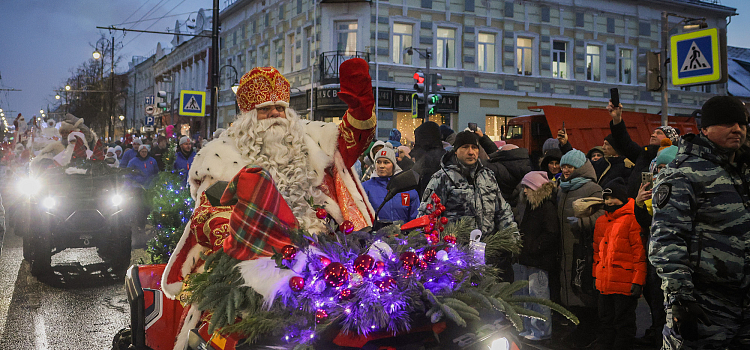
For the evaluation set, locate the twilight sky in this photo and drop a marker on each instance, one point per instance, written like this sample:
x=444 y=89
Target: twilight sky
x=41 y=41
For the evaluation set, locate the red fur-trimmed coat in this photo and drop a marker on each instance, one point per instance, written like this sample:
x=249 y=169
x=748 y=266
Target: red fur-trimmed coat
x=619 y=256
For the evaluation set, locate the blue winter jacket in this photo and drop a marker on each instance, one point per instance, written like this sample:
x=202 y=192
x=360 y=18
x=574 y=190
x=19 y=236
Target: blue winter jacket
x=403 y=206
x=148 y=169
x=127 y=156
x=182 y=164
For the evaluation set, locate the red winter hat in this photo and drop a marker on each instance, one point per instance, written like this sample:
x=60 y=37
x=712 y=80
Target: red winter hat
x=98 y=151
x=79 y=150
x=261 y=218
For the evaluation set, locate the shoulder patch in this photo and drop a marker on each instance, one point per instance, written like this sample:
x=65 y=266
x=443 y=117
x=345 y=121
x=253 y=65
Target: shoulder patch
x=662 y=194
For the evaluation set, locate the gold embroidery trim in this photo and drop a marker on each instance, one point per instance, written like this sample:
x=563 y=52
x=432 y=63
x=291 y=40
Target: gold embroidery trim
x=362 y=124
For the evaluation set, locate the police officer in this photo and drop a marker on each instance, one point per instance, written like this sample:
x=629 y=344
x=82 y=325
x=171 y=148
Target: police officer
x=700 y=243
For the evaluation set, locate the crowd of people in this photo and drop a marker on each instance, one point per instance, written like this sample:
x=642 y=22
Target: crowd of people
x=601 y=228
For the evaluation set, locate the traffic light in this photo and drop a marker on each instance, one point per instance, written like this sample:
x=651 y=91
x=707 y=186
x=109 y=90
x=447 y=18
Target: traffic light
x=653 y=71
x=162 y=102
x=419 y=85
x=432 y=101
x=436 y=87
x=434 y=94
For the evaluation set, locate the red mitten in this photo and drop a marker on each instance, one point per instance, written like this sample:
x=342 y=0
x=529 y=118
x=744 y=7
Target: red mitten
x=98 y=151
x=356 y=84
x=79 y=150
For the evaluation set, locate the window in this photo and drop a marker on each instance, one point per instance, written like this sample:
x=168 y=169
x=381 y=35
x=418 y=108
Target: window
x=279 y=64
x=486 y=52
x=292 y=52
x=306 y=58
x=593 y=60
x=402 y=38
x=495 y=126
x=234 y=38
x=560 y=59
x=445 y=50
x=625 y=66
x=346 y=36
x=524 y=58
x=515 y=132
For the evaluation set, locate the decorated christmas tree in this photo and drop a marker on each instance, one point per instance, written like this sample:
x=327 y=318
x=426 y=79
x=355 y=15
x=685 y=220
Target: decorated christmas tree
x=171 y=208
x=362 y=285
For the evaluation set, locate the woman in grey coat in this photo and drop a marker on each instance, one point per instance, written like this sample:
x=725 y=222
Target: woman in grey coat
x=576 y=253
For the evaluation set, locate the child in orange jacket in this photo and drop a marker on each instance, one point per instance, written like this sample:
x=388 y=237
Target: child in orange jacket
x=619 y=267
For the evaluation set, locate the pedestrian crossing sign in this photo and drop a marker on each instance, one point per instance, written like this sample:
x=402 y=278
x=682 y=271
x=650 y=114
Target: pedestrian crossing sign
x=193 y=103
x=696 y=58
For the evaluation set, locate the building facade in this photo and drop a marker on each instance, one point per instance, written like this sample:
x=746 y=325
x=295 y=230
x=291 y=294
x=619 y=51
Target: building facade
x=496 y=58
x=140 y=92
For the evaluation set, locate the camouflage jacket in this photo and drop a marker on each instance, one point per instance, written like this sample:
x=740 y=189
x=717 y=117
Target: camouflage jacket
x=701 y=225
x=472 y=193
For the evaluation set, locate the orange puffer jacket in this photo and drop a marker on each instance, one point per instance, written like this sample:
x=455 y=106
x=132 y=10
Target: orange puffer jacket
x=619 y=256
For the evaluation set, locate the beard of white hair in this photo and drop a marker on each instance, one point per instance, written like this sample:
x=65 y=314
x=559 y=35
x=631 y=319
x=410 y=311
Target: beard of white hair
x=278 y=146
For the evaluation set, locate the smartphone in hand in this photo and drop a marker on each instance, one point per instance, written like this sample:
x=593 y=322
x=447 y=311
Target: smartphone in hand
x=473 y=126
x=614 y=96
x=647 y=178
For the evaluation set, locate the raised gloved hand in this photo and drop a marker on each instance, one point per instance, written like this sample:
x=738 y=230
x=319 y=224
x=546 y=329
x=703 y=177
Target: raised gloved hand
x=356 y=84
x=686 y=315
x=636 y=290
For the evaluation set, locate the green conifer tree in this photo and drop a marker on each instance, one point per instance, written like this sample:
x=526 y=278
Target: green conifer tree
x=171 y=206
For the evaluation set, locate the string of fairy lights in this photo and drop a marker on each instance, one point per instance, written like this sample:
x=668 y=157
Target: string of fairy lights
x=5 y=122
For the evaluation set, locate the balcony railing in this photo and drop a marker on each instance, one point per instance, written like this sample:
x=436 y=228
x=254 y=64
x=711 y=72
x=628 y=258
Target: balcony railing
x=330 y=62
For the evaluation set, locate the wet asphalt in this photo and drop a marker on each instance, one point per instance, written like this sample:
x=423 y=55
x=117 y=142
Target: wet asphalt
x=81 y=305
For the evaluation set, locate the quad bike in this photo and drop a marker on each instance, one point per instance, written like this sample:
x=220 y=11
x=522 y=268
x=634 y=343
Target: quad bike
x=60 y=210
x=155 y=321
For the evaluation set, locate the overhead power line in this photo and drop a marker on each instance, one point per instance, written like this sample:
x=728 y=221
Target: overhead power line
x=155 y=19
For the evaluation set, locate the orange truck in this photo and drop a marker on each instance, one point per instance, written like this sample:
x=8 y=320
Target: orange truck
x=586 y=127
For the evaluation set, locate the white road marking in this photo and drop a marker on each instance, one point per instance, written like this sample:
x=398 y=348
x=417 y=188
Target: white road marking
x=10 y=259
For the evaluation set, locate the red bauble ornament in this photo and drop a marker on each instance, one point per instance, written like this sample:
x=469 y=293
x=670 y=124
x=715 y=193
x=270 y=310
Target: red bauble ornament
x=422 y=264
x=435 y=196
x=320 y=315
x=441 y=228
x=363 y=264
x=449 y=239
x=429 y=255
x=336 y=274
x=346 y=227
x=437 y=200
x=435 y=239
x=385 y=283
x=325 y=261
x=297 y=283
x=441 y=207
x=443 y=221
x=288 y=252
x=408 y=260
x=321 y=213
x=436 y=233
x=345 y=294
x=429 y=207
x=379 y=267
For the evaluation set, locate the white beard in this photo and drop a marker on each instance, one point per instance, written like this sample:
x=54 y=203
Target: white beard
x=278 y=145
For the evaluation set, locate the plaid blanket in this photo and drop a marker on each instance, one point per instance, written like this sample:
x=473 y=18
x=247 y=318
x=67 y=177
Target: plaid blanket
x=261 y=217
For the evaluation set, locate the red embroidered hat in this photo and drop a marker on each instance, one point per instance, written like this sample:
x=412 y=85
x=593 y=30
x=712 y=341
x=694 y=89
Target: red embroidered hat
x=262 y=86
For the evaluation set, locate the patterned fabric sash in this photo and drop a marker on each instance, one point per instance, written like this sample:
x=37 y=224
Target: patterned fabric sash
x=260 y=220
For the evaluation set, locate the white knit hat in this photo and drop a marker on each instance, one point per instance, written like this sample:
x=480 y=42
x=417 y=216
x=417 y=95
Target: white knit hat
x=390 y=154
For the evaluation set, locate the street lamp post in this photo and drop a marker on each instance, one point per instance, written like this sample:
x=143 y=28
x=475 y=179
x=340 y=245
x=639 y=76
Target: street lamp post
x=98 y=55
x=235 y=86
